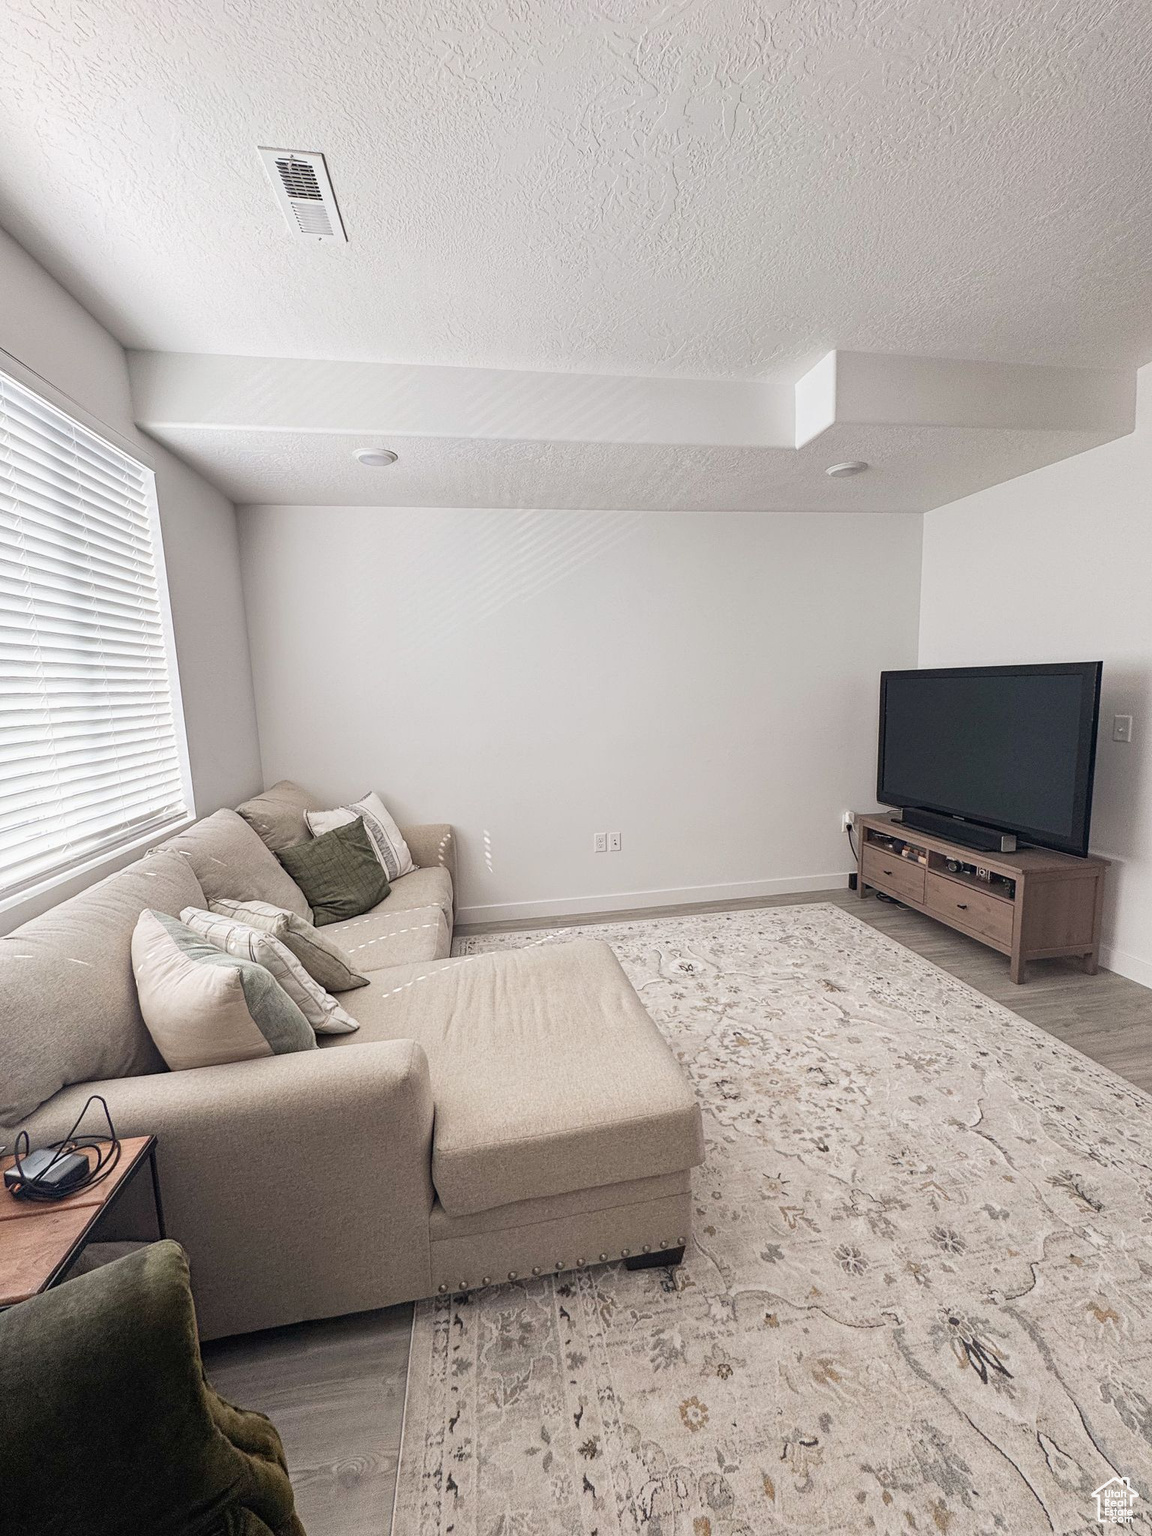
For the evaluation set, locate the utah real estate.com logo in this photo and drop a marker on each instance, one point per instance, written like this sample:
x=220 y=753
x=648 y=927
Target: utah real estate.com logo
x=1114 y=1500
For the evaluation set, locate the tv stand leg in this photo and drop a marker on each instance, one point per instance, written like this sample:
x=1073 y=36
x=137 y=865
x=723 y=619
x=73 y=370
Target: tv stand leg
x=1091 y=963
x=1018 y=970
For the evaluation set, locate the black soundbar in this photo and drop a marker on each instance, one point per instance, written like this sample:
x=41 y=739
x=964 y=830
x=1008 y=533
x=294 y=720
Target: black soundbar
x=956 y=830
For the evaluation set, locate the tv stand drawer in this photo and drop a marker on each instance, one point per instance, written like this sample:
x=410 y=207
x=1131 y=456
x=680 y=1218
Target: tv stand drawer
x=989 y=916
x=898 y=877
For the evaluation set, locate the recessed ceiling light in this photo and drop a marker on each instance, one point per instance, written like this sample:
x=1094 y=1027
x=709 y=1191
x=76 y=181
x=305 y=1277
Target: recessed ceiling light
x=376 y=458
x=849 y=467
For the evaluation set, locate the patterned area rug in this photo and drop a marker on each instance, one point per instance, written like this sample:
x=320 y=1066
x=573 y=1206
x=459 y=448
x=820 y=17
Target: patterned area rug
x=919 y=1297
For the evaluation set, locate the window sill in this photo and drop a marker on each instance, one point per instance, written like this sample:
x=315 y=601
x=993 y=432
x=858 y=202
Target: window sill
x=18 y=907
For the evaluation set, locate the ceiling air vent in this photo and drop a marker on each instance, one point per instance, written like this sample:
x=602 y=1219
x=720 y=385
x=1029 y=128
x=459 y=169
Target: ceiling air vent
x=300 y=180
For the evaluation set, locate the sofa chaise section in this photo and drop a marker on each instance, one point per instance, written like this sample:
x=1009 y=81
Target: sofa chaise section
x=564 y=1127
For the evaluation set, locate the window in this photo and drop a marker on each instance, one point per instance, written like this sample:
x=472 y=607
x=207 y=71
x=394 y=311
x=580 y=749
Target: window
x=92 y=753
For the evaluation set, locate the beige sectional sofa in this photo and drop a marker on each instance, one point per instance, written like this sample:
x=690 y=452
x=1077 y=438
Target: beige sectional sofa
x=494 y=1116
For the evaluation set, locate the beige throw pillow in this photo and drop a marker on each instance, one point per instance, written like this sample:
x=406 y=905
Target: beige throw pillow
x=387 y=841
x=277 y=815
x=320 y=956
x=324 y=1013
x=203 y=1007
x=228 y=859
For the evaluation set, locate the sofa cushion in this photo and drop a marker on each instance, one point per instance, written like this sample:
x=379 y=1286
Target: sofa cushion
x=422 y=888
x=68 y=1006
x=229 y=860
x=385 y=937
x=204 y=1007
x=277 y=815
x=547 y=1073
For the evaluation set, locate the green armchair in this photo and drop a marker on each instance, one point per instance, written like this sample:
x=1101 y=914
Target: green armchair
x=108 y=1427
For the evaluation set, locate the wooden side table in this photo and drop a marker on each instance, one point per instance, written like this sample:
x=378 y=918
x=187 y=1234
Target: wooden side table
x=39 y=1242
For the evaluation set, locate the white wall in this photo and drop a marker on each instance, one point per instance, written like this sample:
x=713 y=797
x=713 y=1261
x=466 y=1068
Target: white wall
x=1057 y=566
x=705 y=684
x=46 y=330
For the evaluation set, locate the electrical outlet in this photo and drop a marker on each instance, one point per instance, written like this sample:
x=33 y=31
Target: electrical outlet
x=600 y=843
x=847 y=819
x=613 y=842
x=1121 y=727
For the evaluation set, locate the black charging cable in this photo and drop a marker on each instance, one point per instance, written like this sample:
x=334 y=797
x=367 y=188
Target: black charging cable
x=851 y=844
x=33 y=1186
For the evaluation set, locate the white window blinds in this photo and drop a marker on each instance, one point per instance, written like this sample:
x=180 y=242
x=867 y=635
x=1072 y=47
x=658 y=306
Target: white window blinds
x=91 y=743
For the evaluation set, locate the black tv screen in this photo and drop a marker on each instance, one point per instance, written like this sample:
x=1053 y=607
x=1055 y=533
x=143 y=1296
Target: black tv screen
x=1010 y=747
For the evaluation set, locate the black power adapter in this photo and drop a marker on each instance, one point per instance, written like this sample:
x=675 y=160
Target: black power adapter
x=56 y=1173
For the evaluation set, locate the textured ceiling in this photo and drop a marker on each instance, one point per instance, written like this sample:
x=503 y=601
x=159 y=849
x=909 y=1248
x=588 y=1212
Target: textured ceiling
x=710 y=189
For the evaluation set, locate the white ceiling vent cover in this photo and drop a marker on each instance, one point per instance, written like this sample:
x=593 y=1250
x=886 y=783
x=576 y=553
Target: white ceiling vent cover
x=299 y=178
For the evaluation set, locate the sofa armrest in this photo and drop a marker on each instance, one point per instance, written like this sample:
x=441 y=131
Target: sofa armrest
x=300 y=1185
x=432 y=845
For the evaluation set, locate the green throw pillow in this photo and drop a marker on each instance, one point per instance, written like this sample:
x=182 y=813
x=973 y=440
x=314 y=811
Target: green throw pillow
x=338 y=872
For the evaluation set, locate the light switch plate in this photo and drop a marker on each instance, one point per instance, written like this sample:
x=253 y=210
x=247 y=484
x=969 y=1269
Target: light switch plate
x=1121 y=727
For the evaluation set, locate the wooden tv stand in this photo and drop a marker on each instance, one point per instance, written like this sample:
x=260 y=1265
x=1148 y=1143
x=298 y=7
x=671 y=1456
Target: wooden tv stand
x=1052 y=906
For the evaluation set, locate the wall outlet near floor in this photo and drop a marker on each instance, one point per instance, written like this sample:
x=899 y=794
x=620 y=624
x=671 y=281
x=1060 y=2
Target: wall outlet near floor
x=847 y=819
x=613 y=842
x=600 y=843
x=1121 y=727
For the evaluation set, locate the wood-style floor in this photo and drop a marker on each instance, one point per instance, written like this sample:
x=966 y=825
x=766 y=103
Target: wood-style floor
x=335 y=1390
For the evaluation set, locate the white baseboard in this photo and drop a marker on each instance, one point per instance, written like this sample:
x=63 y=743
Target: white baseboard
x=625 y=901
x=1134 y=967
x=1125 y=964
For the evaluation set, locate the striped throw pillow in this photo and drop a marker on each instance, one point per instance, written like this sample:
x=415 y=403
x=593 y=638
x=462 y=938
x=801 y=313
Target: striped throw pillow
x=324 y=1013
x=387 y=842
x=320 y=956
x=203 y=1007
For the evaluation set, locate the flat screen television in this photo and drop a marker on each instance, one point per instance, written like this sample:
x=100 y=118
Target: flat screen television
x=1012 y=748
